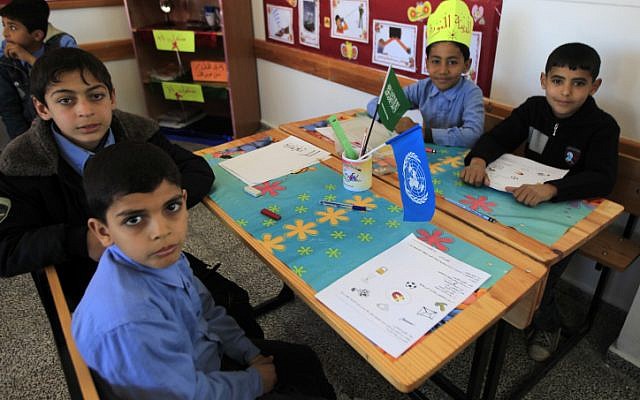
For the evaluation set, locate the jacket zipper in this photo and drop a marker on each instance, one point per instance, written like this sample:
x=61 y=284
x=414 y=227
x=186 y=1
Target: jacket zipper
x=555 y=128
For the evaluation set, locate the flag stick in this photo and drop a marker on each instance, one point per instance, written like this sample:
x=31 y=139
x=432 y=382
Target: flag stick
x=367 y=135
x=372 y=151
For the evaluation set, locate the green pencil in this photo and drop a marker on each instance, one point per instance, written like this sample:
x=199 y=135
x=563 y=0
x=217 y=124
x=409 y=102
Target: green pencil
x=349 y=152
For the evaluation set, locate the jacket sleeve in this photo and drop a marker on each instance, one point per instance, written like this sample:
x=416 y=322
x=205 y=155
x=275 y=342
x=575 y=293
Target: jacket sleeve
x=28 y=239
x=504 y=138
x=197 y=176
x=472 y=123
x=601 y=167
x=11 y=109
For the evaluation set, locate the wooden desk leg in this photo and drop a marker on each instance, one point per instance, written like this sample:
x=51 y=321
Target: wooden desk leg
x=285 y=295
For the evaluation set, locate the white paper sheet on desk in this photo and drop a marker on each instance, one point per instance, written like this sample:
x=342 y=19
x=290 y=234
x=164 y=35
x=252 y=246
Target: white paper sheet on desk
x=510 y=170
x=275 y=160
x=355 y=128
x=399 y=295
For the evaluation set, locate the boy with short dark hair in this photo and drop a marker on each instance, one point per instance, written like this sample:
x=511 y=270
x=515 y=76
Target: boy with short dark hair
x=451 y=105
x=28 y=35
x=41 y=178
x=563 y=129
x=146 y=325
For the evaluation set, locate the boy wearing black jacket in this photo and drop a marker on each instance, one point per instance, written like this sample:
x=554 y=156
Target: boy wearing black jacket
x=45 y=221
x=564 y=129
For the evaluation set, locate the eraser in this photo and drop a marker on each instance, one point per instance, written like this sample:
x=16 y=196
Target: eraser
x=252 y=191
x=270 y=214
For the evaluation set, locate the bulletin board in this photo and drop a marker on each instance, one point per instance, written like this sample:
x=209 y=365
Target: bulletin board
x=378 y=33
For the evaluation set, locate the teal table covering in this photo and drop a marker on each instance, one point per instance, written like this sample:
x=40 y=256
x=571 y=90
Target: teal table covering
x=320 y=243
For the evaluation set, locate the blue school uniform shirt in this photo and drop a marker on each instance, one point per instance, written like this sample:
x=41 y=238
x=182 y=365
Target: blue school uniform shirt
x=75 y=155
x=455 y=116
x=156 y=334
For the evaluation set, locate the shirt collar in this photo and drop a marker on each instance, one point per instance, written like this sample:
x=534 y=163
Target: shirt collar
x=75 y=155
x=173 y=275
x=449 y=94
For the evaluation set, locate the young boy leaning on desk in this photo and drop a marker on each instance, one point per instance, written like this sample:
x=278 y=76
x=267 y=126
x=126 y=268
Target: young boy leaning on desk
x=452 y=106
x=146 y=325
x=41 y=177
x=563 y=129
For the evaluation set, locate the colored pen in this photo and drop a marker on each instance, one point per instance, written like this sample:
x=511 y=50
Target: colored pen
x=471 y=210
x=430 y=150
x=270 y=214
x=343 y=205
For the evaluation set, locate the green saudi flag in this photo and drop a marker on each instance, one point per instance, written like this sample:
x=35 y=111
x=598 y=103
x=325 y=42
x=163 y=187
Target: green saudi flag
x=392 y=103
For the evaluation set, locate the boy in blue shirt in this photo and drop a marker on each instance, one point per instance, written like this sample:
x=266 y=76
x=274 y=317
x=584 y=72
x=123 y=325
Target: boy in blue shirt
x=451 y=106
x=41 y=179
x=146 y=325
x=28 y=35
x=563 y=129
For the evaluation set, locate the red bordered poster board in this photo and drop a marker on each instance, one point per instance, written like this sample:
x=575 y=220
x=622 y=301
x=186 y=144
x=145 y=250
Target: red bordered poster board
x=376 y=33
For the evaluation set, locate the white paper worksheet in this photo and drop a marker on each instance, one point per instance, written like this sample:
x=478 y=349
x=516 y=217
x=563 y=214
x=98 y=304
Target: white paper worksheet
x=399 y=295
x=275 y=160
x=511 y=170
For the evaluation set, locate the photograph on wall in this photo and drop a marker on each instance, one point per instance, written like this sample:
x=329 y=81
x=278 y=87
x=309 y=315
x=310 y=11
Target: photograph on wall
x=309 y=23
x=280 y=23
x=394 y=44
x=350 y=20
x=474 y=54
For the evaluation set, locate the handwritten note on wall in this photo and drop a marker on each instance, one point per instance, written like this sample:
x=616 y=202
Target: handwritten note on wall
x=209 y=71
x=172 y=40
x=182 y=92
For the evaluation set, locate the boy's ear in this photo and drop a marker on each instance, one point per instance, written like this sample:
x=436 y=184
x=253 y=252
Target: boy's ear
x=595 y=86
x=543 y=81
x=467 y=65
x=41 y=109
x=101 y=231
x=113 y=99
x=184 y=196
x=38 y=35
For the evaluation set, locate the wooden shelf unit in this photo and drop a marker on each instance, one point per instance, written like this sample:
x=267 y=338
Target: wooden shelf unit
x=237 y=99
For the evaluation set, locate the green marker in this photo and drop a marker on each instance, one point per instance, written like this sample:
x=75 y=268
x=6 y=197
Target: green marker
x=349 y=152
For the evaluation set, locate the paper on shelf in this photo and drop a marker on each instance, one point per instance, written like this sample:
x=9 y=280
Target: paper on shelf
x=275 y=160
x=511 y=170
x=399 y=295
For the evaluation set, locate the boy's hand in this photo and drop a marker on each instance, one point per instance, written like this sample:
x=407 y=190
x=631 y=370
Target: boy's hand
x=94 y=247
x=267 y=371
x=18 y=52
x=475 y=173
x=532 y=195
x=404 y=123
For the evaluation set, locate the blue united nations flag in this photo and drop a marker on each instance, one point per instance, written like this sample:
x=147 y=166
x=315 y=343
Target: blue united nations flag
x=414 y=177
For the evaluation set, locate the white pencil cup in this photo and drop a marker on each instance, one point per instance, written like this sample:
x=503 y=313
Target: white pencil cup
x=357 y=174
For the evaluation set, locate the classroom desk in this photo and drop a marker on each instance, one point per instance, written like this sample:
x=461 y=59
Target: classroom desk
x=603 y=215
x=514 y=293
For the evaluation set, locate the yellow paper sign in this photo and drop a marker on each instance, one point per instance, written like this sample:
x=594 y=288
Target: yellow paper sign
x=210 y=71
x=182 y=91
x=175 y=40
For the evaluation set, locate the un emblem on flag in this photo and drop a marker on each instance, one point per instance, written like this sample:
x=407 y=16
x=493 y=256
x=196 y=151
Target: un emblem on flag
x=415 y=180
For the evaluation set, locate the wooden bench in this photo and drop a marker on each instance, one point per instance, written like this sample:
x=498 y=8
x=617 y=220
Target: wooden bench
x=79 y=379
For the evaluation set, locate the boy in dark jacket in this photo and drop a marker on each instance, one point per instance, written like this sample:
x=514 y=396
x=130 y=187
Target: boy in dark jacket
x=41 y=179
x=28 y=35
x=564 y=129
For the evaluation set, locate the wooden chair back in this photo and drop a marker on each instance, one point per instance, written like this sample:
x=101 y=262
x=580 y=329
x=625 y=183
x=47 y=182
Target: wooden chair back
x=83 y=375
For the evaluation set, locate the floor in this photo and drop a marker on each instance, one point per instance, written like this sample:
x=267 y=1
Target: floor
x=29 y=367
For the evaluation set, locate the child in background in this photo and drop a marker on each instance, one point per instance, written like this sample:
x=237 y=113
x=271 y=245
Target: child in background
x=563 y=129
x=41 y=176
x=28 y=35
x=146 y=325
x=451 y=106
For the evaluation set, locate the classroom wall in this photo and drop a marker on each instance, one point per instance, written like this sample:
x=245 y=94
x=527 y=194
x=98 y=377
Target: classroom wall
x=98 y=24
x=529 y=30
